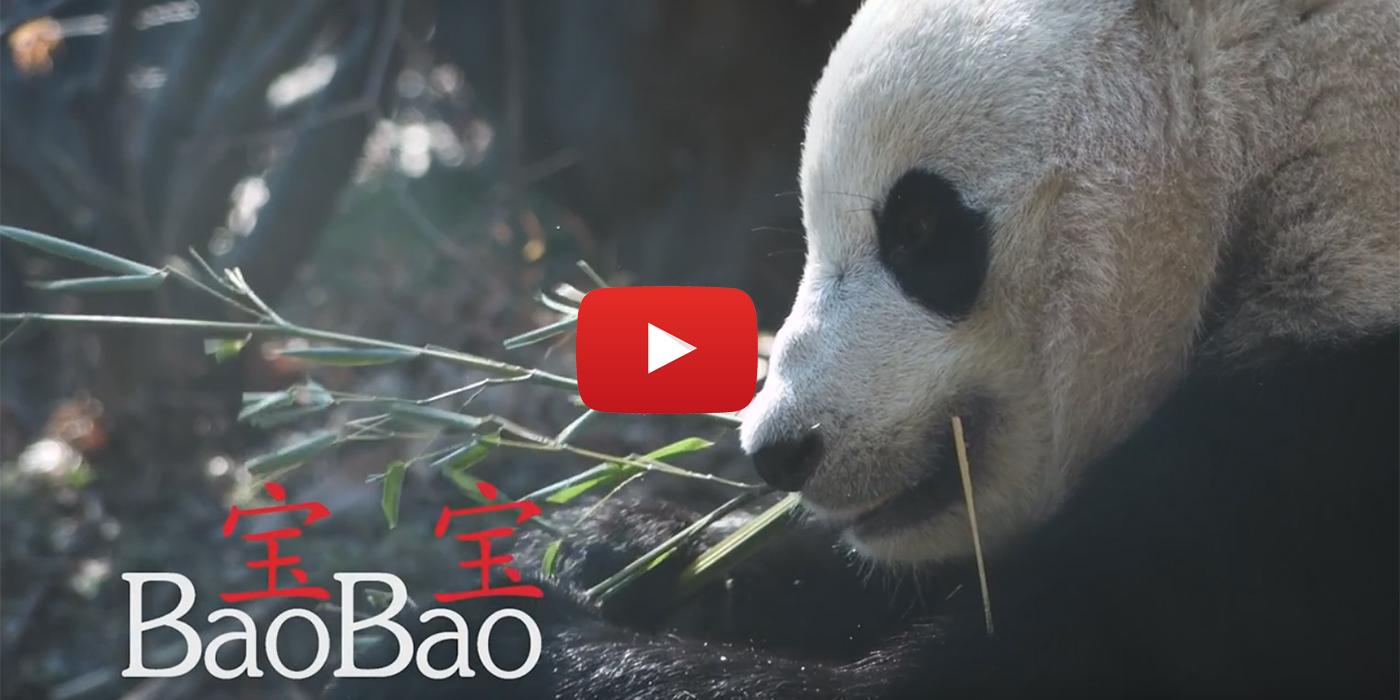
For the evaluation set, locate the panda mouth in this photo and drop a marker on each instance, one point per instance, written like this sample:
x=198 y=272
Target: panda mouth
x=921 y=502
x=941 y=486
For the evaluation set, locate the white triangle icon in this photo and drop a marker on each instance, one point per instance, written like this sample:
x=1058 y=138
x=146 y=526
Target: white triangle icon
x=664 y=348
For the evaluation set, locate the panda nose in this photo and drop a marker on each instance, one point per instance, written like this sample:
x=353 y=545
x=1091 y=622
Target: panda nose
x=785 y=464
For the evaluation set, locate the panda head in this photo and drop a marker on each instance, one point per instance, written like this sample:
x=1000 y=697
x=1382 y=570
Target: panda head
x=1012 y=218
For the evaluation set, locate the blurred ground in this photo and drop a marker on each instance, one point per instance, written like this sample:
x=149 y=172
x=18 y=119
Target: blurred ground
x=414 y=171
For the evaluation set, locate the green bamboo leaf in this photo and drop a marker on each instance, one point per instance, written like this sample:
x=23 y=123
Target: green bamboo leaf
x=393 y=491
x=542 y=333
x=520 y=431
x=465 y=456
x=650 y=560
x=551 y=557
x=679 y=447
x=307 y=399
x=121 y=283
x=744 y=542
x=573 y=487
x=433 y=416
x=312 y=394
x=80 y=253
x=263 y=403
x=224 y=349
x=466 y=482
x=277 y=417
x=612 y=473
x=270 y=408
x=291 y=455
x=349 y=357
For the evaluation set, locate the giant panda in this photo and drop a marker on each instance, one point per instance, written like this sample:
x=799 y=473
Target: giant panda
x=1148 y=252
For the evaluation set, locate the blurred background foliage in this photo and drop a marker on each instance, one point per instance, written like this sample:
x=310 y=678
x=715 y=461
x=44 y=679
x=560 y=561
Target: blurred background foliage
x=415 y=170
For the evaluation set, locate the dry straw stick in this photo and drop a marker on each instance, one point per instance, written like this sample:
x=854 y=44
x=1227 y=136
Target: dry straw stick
x=961 y=446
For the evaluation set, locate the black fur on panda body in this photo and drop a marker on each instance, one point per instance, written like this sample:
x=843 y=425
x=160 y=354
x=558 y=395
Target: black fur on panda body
x=1242 y=542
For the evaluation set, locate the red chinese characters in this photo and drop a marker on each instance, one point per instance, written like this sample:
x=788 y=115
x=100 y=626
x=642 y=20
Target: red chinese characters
x=275 y=560
x=524 y=511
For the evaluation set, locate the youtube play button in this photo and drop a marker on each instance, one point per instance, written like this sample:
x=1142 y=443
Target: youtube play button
x=664 y=348
x=667 y=349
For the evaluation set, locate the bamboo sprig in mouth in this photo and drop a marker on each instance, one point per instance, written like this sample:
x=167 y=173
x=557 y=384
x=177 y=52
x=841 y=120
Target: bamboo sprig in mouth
x=961 y=445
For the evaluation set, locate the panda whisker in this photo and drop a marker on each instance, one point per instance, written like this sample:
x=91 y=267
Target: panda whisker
x=956 y=590
x=866 y=197
x=918 y=590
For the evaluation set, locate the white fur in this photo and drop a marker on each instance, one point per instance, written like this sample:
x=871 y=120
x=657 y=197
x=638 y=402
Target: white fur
x=1118 y=147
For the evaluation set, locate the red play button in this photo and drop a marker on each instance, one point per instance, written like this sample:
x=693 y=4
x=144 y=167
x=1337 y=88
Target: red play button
x=667 y=349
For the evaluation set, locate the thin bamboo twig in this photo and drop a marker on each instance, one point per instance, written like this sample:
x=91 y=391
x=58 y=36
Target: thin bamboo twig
x=517 y=372
x=606 y=497
x=235 y=276
x=961 y=447
x=649 y=465
x=592 y=274
x=13 y=332
x=574 y=426
x=193 y=282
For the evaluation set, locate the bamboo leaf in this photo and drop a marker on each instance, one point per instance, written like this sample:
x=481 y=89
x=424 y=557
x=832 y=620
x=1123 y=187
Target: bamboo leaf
x=268 y=409
x=433 y=416
x=276 y=417
x=466 y=482
x=121 y=283
x=573 y=487
x=224 y=349
x=291 y=455
x=520 y=431
x=312 y=394
x=393 y=491
x=737 y=546
x=641 y=565
x=542 y=333
x=611 y=473
x=264 y=403
x=349 y=357
x=465 y=456
x=679 y=447
x=551 y=557
x=80 y=253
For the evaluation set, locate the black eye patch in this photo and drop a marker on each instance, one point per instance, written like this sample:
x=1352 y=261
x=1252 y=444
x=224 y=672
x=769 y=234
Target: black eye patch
x=933 y=243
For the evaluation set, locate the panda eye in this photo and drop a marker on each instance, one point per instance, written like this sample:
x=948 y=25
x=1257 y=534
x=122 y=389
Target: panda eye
x=933 y=243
